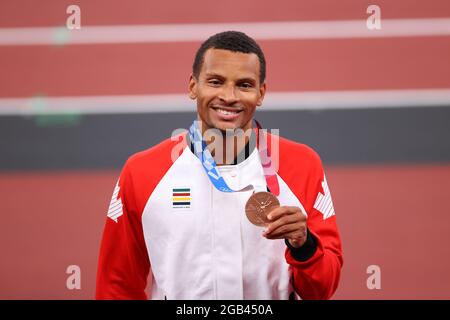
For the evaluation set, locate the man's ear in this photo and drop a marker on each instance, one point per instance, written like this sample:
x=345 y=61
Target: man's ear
x=262 y=93
x=192 y=87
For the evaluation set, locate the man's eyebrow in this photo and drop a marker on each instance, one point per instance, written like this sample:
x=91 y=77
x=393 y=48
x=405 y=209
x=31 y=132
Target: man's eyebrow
x=247 y=79
x=210 y=75
x=244 y=79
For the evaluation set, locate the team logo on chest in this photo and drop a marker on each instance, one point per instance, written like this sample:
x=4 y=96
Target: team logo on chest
x=181 y=198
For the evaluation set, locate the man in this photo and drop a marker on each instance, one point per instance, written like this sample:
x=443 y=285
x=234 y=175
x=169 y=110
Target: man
x=184 y=219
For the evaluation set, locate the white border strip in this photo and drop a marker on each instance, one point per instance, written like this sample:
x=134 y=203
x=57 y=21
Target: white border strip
x=317 y=100
x=200 y=32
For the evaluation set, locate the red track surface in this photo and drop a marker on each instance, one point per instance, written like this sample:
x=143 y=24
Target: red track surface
x=394 y=63
x=395 y=217
x=20 y=13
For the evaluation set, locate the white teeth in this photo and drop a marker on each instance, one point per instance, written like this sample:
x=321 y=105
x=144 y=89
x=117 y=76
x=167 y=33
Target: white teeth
x=226 y=112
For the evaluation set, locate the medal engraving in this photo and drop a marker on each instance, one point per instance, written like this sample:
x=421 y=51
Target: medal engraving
x=259 y=205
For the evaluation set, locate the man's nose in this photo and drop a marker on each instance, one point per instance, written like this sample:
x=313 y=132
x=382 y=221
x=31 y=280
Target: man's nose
x=228 y=94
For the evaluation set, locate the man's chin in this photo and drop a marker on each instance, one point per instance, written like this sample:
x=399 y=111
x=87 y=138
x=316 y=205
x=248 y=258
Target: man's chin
x=231 y=129
x=224 y=126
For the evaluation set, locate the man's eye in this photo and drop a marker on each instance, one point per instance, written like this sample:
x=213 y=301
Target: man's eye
x=246 y=85
x=214 y=82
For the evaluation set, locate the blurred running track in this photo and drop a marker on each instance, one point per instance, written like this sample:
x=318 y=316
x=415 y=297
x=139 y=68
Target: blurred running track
x=374 y=104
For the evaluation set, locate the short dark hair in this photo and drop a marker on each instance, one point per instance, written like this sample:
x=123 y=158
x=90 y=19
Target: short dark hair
x=233 y=41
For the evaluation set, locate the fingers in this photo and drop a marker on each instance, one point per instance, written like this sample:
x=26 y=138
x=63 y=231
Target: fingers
x=284 y=215
x=280 y=211
x=283 y=230
x=295 y=234
x=289 y=218
x=287 y=222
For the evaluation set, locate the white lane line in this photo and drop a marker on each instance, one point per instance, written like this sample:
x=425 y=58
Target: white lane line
x=199 y=32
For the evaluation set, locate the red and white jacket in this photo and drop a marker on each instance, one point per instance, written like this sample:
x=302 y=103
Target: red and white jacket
x=167 y=223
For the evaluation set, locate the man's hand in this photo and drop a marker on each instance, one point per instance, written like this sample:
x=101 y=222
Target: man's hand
x=287 y=223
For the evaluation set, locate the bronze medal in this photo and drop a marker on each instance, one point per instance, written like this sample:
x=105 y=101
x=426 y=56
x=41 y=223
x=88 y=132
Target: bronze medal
x=259 y=205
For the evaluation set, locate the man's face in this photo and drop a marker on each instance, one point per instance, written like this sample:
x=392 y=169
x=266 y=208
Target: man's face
x=227 y=90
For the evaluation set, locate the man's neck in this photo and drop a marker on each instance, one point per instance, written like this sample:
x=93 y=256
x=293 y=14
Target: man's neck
x=229 y=147
x=235 y=149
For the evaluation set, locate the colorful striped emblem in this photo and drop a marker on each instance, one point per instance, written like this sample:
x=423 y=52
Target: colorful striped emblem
x=181 y=197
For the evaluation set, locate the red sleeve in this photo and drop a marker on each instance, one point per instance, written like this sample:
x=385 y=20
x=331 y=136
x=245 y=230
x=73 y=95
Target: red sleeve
x=318 y=276
x=123 y=266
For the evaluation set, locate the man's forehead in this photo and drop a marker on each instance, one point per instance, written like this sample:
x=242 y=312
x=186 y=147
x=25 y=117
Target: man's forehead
x=216 y=61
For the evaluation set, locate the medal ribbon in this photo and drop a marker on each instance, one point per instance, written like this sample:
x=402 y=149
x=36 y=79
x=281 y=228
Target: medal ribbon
x=210 y=166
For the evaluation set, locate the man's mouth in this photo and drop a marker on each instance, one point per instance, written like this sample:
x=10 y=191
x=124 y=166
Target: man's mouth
x=227 y=112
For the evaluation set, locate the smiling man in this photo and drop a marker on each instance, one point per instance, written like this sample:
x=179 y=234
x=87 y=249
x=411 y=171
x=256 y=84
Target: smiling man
x=219 y=220
x=227 y=87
